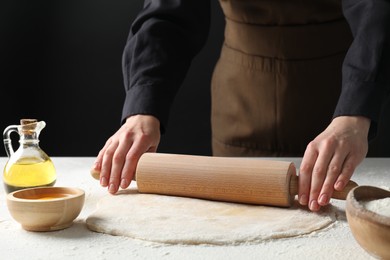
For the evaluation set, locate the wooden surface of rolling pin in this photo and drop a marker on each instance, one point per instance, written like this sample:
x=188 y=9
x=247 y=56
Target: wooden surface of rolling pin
x=216 y=178
x=243 y=180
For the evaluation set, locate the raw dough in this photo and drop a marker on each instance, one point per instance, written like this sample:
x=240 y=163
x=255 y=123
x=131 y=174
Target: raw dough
x=178 y=220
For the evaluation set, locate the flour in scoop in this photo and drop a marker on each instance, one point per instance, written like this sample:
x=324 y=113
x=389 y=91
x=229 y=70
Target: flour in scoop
x=380 y=206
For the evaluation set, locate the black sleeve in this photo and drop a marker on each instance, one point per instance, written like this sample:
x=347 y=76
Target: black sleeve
x=366 y=68
x=163 y=40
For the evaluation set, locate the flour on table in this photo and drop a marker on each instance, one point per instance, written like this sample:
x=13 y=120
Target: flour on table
x=177 y=220
x=379 y=206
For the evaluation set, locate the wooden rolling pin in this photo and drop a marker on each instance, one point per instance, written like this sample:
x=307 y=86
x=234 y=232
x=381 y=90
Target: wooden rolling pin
x=242 y=180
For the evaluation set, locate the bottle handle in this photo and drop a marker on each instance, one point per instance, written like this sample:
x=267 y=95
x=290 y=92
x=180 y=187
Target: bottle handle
x=7 y=139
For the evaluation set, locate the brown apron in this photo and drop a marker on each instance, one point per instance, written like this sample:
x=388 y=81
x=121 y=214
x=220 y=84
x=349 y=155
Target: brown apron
x=278 y=78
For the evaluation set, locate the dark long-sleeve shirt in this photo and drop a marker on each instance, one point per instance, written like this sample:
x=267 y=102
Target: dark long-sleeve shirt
x=166 y=35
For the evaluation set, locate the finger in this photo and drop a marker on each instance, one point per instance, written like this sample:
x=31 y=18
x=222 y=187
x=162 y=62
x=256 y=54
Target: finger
x=333 y=172
x=118 y=162
x=99 y=158
x=106 y=164
x=305 y=171
x=348 y=168
x=317 y=179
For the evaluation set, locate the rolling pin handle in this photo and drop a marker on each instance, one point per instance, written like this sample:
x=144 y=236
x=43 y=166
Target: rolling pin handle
x=95 y=174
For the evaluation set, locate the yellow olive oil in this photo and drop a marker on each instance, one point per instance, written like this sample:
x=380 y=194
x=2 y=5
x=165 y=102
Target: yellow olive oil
x=27 y=173
x=49 y=196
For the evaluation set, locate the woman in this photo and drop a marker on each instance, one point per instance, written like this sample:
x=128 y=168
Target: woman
x=275 y=87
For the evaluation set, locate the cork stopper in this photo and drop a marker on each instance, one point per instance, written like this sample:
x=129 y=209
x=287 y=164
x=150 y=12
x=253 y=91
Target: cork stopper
x=28 y=125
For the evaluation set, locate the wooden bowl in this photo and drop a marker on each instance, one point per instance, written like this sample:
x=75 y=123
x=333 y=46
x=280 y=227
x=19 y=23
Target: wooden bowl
x=45 y=208
x=370 y=229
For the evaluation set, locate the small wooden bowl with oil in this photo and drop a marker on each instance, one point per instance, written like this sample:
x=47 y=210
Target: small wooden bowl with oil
x=46 y=208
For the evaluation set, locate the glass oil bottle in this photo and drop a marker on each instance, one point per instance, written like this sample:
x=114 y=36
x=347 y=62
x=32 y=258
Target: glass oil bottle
x=29 y=166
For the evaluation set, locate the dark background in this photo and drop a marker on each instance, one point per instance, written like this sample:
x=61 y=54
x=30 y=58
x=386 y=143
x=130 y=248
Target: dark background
x=61 y=63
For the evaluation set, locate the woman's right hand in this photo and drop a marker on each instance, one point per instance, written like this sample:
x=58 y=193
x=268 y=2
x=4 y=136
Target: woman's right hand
x=118 y=159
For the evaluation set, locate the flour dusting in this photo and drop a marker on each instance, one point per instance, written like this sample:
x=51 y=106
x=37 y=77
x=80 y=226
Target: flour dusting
x=380 y=206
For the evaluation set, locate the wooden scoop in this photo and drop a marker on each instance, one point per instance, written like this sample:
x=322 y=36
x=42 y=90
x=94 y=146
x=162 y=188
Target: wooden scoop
x=242 y=180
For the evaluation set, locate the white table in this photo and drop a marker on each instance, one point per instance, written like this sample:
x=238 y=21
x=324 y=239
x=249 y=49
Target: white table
x=77 y=242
